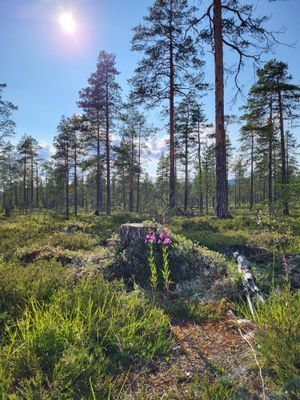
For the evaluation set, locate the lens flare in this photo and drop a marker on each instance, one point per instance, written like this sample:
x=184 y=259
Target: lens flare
x=67 y=22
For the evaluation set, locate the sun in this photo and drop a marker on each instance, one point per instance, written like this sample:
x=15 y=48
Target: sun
x=67 y=22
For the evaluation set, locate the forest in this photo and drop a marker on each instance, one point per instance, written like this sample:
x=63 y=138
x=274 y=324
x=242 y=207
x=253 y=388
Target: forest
x=120 y=283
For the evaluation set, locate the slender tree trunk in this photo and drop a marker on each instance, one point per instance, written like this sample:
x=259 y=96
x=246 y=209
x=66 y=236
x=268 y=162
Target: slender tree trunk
x=107 y=145
x=138 y=176
x=172 y=194
x=37 y=187
x=287 y=161
x=24 y=185
x=123 y=189
x=99 y=171
x=270 y=160
x=251 y=171
x=186 y=169
x=32 y=183
x=75 y=182
x=67 y=183
x=131 y=175
x=206 y=187
x=235 y=191
x=283 y=158
x=221 y=164
x=200 y=172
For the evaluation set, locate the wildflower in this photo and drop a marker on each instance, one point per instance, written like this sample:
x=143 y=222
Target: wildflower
x=164 y=238
x=150 y=238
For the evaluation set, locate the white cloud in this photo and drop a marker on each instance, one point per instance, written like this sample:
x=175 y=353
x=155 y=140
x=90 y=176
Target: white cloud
x=156 y=146
x=46 y=150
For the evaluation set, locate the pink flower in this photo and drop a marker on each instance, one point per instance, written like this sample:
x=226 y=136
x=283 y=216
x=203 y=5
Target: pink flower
x=165 y=238
x=150 y=238
x=167 y=241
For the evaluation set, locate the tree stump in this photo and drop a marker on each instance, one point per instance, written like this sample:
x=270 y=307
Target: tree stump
x=131 y=232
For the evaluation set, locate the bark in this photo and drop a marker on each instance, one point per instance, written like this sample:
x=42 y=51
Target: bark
x=172 y=194
x=67 y=189
x=24 y=185
x=107 y=146
x=200 y=172
x=283 y=157
x=131 y=176
x=75 y=182
x=270 y=161
x=37 y=187
x=221 y=164
x=206 y=189
x=186 y=169
x=251 y=171
x=32 y=183
x=138 y=177
x=99 y=172
x=235 y=191
x=123 y=189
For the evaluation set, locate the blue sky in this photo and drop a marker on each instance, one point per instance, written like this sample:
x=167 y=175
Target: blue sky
x=45 y=67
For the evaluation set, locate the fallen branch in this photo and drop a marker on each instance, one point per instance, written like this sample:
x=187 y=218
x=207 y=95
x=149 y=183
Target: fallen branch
x=249 y=283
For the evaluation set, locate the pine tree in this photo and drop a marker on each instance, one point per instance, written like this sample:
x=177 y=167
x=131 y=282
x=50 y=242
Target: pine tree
x=7 y=124
x=100 y=100
x=231 y=23
x=167 y=69
x=62 y=156
x=134 y=130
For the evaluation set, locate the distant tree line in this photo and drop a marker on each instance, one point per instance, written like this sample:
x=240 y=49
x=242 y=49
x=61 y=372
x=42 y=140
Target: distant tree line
x=100 y=153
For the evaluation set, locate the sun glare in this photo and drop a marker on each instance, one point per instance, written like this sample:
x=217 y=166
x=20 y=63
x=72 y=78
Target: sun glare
x=67 y=22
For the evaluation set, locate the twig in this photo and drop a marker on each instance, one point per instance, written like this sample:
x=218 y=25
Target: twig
x=257 y=363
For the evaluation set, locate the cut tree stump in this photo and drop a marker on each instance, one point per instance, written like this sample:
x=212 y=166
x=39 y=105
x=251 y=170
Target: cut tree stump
x=131 y=232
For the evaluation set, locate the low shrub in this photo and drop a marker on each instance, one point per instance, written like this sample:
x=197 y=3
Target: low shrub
x=196 y=311
x=207 y=389
x=72 y=241
x=18 y=283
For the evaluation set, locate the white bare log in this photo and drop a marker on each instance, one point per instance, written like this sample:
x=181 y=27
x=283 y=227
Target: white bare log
x=248 y=280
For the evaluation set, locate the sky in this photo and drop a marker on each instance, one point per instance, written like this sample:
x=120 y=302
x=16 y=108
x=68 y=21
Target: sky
x=44 y=66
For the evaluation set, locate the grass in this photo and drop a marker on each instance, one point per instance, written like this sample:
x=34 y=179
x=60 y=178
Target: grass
x=277 y=339
x=93 y=330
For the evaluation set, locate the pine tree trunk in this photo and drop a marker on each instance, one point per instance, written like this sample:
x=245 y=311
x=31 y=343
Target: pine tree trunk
x=99 y=173
x=138 y=178
x=131 y=176
x=283 y=158
x=67 y=184
x=37 y=187
x=75 y=183
x=221 y=165
x=172 y=194
x=251 y=171
x=206 y=187
x=200 y=172
x=24 y=185
x=123 y=189
x=107 y=143
x=186 y=172
x=270 y=161
x=32 y=184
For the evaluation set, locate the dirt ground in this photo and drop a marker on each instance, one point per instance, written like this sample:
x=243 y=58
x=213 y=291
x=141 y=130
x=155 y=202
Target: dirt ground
x=213 y=349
